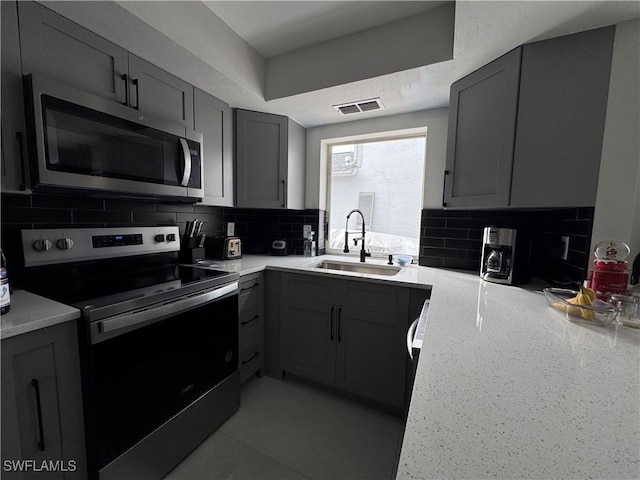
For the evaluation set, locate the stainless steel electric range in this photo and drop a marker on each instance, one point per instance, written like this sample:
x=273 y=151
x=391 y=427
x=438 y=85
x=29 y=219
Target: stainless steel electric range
x=158 y=342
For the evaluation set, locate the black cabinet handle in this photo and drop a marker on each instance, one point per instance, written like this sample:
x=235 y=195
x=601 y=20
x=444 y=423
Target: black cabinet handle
x=444 y=186
x=23 y=185
x=339 y=322
x=36 y=388
x=244 y=362
x=331 y=326
x=255 y=317
x=125 y=77
x=249 y=288
x=135 y=84
x=284 y=194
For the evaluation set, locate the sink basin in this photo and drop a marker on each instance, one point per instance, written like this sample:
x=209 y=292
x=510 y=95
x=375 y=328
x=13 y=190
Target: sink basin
x=387 y=270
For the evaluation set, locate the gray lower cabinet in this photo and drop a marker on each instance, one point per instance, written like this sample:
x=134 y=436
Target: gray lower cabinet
x=214 y=119
x=308 y=339
x=526 y=129
x=270 y=156
x=251 y=325
x=42 y=418
x=347 y=334
x=13 y=125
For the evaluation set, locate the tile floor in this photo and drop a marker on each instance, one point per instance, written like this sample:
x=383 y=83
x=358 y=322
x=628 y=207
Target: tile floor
x=289 y=430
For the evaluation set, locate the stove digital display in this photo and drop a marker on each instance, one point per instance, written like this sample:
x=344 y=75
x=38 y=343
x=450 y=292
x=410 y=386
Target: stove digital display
x=101 y=241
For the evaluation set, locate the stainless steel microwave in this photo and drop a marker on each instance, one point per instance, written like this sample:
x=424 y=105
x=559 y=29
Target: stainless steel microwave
x=82 y=142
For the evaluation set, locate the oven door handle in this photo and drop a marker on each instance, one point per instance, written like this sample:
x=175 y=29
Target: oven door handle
x=133 y=318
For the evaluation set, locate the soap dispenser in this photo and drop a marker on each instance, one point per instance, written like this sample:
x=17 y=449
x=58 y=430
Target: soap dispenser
x=309 y=247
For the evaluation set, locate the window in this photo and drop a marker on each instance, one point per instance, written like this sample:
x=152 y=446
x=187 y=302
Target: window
x=384 y=180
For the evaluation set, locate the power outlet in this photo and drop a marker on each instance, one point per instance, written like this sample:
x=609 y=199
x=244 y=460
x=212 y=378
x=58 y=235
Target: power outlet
x=564 y=241
x=231 y=229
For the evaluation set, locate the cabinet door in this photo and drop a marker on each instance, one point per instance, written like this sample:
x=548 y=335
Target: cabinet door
x=371 y=355
x=41 y=401
x=482 y=125
x=62 y=50
x=561 y=115
x=308 y=339
x=158 y=93
x=213 y=118
x=13 y=126
x=261 y=160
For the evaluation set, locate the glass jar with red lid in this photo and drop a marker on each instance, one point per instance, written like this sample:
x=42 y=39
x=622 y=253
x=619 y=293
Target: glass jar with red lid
x=610 y=273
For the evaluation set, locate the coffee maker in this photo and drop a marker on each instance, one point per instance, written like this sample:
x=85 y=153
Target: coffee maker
x=498 y=255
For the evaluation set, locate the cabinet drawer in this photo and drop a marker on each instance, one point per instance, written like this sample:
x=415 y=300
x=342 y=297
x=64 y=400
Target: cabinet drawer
x=252 y=284
x=374 y=297
x=251 y=358
x=250 y=321
x=309 y=287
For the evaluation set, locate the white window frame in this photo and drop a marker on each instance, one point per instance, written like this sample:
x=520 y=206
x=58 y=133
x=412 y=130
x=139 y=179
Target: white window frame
x=325 y=166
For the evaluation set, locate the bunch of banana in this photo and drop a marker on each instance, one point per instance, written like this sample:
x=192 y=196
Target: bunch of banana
x=585 y=296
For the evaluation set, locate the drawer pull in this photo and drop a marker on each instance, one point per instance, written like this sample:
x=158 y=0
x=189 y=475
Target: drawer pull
x=249 y=288
x=255 y=317
x=36 y=388
x=244 y=362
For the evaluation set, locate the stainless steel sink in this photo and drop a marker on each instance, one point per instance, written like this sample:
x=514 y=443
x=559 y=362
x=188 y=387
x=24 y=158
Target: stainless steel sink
x=387 y=270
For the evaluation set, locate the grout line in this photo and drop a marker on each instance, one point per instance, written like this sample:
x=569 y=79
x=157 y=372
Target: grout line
x=265 y=455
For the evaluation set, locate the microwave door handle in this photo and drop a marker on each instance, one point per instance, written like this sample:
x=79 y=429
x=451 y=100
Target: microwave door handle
x=186 y=174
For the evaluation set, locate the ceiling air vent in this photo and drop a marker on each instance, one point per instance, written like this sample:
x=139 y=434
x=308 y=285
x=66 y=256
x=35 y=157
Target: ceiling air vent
x=360 y=106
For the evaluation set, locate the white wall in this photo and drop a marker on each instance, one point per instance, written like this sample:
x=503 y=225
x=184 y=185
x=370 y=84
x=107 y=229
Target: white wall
x=617 y=213
x=435 y=123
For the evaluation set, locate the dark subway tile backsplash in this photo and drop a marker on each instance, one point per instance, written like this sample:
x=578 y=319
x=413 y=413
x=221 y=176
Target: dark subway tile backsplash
x=453 y=238
x=256 y=227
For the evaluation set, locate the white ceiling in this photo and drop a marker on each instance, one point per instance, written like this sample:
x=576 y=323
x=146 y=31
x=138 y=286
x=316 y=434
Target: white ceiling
x=274 y=28
x=232 y=61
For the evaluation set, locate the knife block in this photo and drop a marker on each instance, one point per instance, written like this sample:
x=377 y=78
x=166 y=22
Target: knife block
x=191 y=255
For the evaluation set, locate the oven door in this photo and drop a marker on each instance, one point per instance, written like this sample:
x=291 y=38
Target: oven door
x=149 y=369
x=85 y=142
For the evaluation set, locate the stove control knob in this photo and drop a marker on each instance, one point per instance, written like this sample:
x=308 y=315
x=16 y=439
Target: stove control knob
x=159 y=238
x=171 y=237
x=42 y=245
x=64 y=243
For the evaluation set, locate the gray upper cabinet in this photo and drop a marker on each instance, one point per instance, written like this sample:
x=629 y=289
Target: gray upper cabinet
x=526 y=130
x=270 y=161
x=66 y=52
x=561 y=114
x=62 y=50
x=158 y=93
x=42 y=402
x=214 y=119
x=13 y=126
x=482 y=123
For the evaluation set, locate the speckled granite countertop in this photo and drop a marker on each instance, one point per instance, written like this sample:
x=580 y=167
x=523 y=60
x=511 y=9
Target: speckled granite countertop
x=410 y=275
x=31 y=312
x=507 y=388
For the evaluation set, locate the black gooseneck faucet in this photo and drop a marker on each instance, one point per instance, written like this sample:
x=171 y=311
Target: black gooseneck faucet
x=363 y=252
